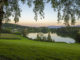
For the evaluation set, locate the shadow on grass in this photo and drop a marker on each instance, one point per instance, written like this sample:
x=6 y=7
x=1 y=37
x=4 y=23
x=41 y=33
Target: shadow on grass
x=11 y=38
x=2 y=57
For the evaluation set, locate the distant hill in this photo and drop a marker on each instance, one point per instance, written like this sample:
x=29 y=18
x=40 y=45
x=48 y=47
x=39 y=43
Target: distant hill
x=76 y=26
x=55 y=26
x=9 y=25
x=62 y=26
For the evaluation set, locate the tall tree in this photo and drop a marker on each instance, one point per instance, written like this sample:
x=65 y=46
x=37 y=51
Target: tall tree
x=49 y=37
x=10 y=8
x=68 y=10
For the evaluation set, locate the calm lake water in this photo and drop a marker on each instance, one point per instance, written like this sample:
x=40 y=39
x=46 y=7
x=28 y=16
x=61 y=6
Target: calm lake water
x=54 y=37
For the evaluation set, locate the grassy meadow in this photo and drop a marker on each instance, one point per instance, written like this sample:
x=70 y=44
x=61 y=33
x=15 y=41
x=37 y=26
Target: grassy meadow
x=25 y=49
x=9 y=36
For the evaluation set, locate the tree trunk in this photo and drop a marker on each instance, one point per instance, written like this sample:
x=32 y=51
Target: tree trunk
x=1 y=14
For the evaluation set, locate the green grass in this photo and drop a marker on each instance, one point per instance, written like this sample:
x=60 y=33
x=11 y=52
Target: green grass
x=9 y=36
x=25 y=49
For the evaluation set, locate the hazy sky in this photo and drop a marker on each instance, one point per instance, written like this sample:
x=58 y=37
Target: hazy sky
x=27 y=17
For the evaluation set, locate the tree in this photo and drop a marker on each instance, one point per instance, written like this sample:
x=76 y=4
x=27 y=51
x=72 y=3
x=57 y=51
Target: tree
x=49 y=37
x=44 y=38
x=25 y=32
x=68 y=10
x=38 y=37
x=11 y=8
x=78 y=37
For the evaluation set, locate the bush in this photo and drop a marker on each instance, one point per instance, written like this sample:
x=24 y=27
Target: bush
x=78 y=37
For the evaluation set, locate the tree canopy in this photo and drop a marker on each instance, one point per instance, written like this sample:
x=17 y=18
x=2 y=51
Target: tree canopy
x=67 y=10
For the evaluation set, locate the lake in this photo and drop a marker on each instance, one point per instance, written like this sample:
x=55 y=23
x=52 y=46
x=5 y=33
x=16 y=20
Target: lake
x=54 y=37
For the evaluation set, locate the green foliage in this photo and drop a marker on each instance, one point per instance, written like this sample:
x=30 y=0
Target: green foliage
x=72 y=32
x=38 y=37
x=25 y=32
x=79 y=32
x=30 y=29
x=38 y=8
x=41 y=37
x=6 y=30
x=44 y=38
x=39 y=29
x=67 y=10
x=77 y=37
x=49 y=37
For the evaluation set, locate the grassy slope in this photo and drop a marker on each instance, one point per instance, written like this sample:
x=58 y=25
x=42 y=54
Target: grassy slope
x=9 y=36
x=25 y=49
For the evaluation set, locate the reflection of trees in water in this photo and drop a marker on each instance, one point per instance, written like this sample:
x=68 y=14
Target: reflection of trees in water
x=41 y=37
x=69 y=32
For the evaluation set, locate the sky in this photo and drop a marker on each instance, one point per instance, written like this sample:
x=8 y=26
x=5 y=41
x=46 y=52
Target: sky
x=27 y=17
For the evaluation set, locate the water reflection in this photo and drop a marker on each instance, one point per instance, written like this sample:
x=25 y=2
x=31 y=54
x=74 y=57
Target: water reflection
x=54 y=37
